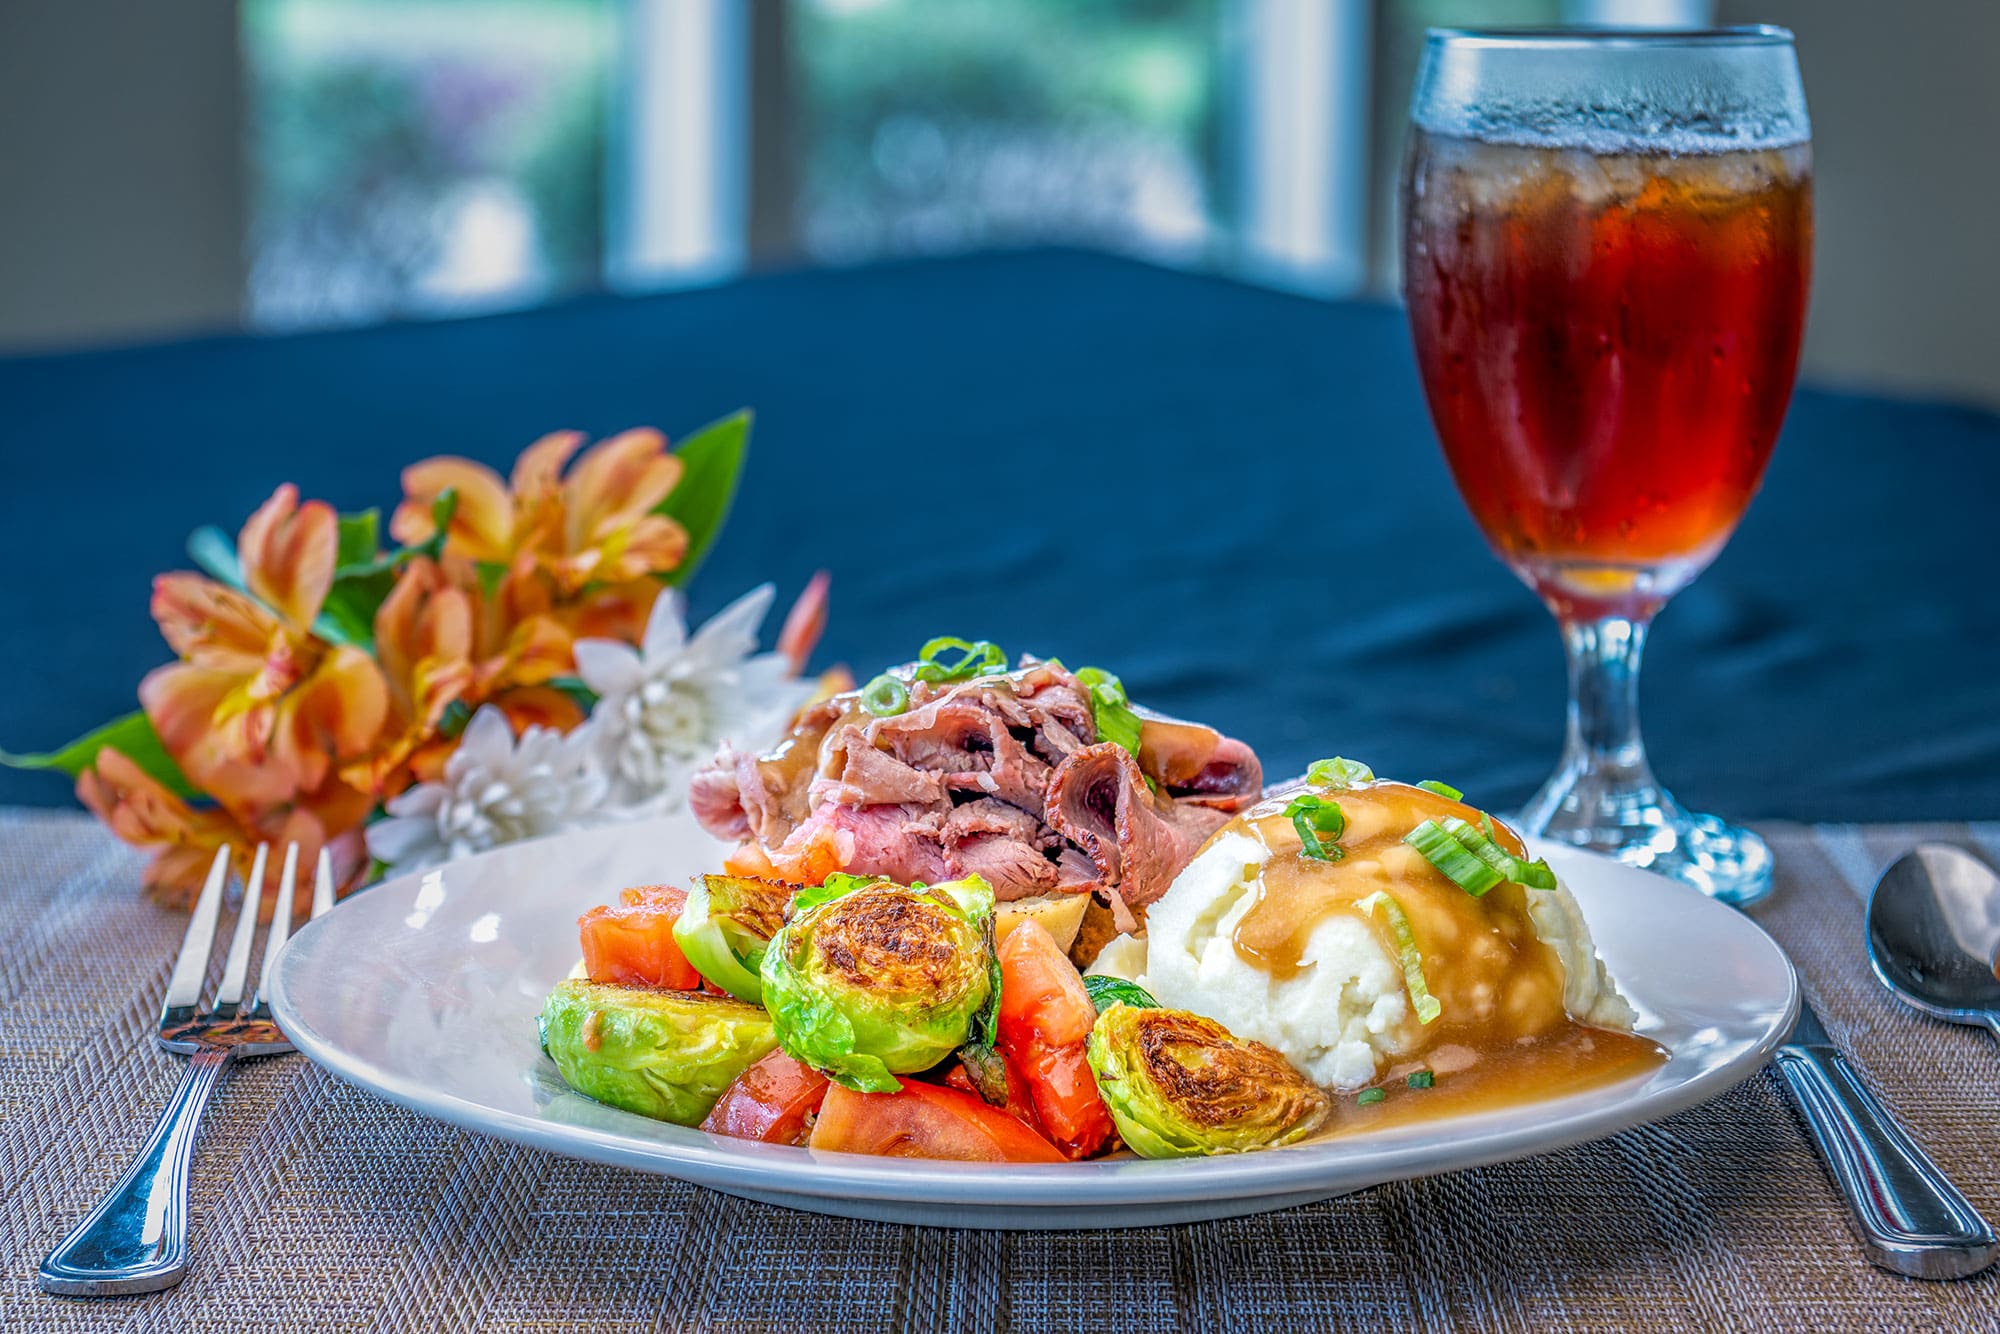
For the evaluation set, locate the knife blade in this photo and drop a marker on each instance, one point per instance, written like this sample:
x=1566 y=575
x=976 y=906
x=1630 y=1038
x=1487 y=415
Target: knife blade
x=1908 y=1215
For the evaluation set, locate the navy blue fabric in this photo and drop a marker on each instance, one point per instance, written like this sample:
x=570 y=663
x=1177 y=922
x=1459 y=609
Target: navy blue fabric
x=1229 y=495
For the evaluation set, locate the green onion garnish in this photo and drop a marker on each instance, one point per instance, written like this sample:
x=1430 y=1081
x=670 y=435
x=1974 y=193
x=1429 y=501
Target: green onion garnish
x=1338 y=772
x=1535 y=875
x=1453 y=858
x=1411 y=957
x=1313 y=816
x=1422 y=1079
x=974 y=659
x=1445 y=790
x=1110 y=708
x=1106 y=992
x=1367 y=1096
x=837 y=884
x=885 y=696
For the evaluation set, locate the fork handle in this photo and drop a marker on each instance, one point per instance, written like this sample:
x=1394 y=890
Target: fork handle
x=1908 y=1215
x=135 y=1240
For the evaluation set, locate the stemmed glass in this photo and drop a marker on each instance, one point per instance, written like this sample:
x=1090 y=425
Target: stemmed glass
x=1607 y=241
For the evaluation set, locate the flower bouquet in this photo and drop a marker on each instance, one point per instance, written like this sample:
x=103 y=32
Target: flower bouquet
x=517 y=664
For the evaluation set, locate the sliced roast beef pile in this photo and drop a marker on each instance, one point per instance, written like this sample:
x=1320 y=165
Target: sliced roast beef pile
x=1004 y=777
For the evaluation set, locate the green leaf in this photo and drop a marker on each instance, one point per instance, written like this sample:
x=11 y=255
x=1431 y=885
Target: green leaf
x=360 y=537
x=365 y=578
x=133 y=736
x=210 y=548
x=712 y=461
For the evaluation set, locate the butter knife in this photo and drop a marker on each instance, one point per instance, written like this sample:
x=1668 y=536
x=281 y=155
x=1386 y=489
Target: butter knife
x=1907 y=1214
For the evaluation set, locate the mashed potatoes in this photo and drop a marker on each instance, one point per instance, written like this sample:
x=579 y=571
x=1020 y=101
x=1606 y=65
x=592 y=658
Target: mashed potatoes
x=1341 y=1011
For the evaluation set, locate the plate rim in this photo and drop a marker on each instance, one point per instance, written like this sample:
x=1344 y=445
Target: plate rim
x=1330 y=1166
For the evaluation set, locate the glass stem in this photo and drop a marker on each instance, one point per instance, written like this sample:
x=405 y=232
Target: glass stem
x=1604 y=693
x=1603 y=793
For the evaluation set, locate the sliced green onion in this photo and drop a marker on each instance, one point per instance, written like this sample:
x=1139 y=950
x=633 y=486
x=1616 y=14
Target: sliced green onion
x=837 y=884
x=885 y=696
x=1367 y=1096
x=974 y=659
x=1445 y=790
x=1411 y=957
x=1106 y=992
x=1110 y=708
x=1422 y=1079
x=1453 y=858
x=1535 y=874
x=1313 y=816
x=1339 y=772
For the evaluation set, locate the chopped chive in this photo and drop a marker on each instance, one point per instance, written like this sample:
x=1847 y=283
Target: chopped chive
x=1313 y=816
x=1535 y=874
x=1452 y=857
x=1422 y=1079
x=1445 y=790
x=885 y=696
x=974 y=659
x=1339 y=772
x=1367 y=1096
x=1426 y=1005
x=1111 y=711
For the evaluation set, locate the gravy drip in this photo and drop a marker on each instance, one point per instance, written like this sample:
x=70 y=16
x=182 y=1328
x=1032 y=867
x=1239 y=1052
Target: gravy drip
x=1502 y=1035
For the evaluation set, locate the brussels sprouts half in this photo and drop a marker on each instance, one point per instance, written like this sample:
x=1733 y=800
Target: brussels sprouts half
x=664 y=1054
x=725 y=927
x=874 y=979
x=1180 y=1085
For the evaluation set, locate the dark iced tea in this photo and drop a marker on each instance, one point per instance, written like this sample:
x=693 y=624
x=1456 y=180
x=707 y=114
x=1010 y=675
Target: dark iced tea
x=1607 y=342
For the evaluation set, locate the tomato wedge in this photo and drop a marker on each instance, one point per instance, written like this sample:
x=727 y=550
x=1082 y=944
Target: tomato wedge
x=1045 y=1015
x=770 y=1101
x=632 y=943
x=1020 y=1098
x=925 y=1121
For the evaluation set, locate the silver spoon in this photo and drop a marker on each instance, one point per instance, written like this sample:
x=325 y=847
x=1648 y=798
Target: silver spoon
x=1934 y=934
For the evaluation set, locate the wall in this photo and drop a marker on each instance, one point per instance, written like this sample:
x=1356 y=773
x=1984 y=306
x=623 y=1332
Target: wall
x=121 y=175
x=1906 y=114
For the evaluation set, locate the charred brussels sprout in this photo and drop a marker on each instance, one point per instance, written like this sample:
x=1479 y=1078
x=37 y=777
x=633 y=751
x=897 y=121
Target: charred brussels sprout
x=1180 y=1085
x=664 y=1054
x=726 y=926
x=869 y=980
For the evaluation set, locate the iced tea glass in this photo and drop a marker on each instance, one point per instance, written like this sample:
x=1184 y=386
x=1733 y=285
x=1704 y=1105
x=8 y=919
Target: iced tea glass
x=1607 y=241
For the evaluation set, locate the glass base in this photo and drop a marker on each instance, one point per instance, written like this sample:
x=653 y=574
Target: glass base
x=1640 y=824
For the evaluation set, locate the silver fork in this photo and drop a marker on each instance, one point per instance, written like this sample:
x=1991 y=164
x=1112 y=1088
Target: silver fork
x=135 y=1240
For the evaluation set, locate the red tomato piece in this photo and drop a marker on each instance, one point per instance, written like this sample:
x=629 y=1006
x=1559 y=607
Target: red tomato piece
x=1045 y=1015
x=632 y=944
x=770 y=1101
x=1020 y=1097
x=1042 y=997
x=925 y=1121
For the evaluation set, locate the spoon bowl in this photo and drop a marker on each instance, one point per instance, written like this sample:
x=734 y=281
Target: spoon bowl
x=1934 y=934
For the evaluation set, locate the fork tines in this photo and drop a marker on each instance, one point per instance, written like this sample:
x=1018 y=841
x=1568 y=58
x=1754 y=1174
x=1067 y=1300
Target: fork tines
x=184 y=986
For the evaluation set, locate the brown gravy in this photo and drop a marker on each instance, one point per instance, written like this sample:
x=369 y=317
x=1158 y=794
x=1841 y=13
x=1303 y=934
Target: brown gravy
x=1502 y=1036
x=1570 y=1058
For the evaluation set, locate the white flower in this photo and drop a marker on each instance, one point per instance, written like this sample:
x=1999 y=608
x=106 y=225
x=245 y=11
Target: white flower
x=496 y=790
x=665 y=707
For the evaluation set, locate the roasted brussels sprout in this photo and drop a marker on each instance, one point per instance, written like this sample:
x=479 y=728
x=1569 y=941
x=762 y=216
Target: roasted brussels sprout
x=1180 y=1085
x=664 y=1054
x=725 y=927
x=869 y=979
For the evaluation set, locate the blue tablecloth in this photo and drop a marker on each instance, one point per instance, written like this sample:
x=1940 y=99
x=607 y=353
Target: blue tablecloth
x=1229 y=495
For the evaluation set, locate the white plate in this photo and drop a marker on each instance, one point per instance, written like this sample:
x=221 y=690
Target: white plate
x=425 y=989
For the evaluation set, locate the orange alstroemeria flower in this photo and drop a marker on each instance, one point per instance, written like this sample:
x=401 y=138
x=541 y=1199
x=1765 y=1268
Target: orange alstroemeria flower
x=145 y=814
x=593 y=526
x=261 y=712
x=424 y=644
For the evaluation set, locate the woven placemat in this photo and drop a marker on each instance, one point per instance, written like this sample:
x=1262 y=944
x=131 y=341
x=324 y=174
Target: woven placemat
x=316 y=1207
